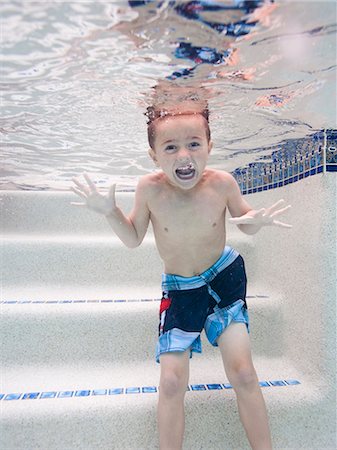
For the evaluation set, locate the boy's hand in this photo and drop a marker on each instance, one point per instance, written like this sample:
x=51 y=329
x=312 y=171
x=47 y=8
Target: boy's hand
x=103 y=204
x=263 y=216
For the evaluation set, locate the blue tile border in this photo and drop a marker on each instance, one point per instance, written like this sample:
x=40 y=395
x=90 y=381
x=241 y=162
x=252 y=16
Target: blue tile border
x=198 y=387
x=131 y=390
x=65 y=302
x=288 y=162
x=116 y=391
x=48 y=395
x=292 y=382
x=10 y=397
x=99 y=392
x=213 y=387
x=82 y=393
x=149 y=389
x=278 y=383
x=31 y=396
x=64 y=394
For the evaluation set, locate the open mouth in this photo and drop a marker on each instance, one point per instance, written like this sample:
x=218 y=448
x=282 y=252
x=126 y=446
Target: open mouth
x=186 y=172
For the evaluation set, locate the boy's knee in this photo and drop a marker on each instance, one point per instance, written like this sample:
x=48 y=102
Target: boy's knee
x=243 y=376
x=172 y=384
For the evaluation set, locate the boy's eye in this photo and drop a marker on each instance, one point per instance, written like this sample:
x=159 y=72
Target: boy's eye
x=194 y=144
x=170 y=148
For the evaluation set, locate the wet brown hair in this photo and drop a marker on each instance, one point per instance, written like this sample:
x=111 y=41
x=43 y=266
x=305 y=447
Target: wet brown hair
x=154 y=115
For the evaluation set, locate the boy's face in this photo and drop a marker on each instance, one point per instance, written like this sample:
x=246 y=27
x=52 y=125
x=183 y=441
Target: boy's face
x=181 y=149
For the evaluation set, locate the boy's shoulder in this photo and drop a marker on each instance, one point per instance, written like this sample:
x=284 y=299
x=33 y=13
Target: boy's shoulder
x=151 y=180
x=221 y=177
x=151 y=183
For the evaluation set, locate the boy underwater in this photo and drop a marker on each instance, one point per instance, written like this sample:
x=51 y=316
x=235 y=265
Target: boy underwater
x=204 y=281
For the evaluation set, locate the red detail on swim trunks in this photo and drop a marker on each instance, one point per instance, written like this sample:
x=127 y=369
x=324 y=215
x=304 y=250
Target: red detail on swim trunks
x=165 y=304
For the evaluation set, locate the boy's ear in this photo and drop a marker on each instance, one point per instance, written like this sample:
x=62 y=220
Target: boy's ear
x=210 y=146
x=153 y=156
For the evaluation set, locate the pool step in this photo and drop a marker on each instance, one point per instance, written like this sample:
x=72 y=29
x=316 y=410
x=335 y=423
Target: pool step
x=86 y=349
x=91 y=378
x=56 y=268
x=128 y=421
x=51 y=214
x=105 y=264
x=105 y=332
x=53 y=250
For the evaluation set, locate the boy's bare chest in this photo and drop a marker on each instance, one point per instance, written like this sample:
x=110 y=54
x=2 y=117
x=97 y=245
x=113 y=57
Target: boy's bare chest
x=185 y=215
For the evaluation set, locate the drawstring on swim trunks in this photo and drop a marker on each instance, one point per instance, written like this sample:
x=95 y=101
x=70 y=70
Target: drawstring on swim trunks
x=211 y=292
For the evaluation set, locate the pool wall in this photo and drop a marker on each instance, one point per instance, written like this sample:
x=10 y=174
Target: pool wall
x=70 y=290
x=289 y=161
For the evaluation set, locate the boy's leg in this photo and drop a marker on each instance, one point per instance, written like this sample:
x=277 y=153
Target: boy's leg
x=234 y=344
x=174 y=375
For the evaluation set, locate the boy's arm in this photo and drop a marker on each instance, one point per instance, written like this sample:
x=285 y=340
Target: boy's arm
x=245 y=217
x=130 y=229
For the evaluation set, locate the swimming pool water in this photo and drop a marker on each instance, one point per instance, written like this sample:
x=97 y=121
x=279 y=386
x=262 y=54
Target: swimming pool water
x=77 y=78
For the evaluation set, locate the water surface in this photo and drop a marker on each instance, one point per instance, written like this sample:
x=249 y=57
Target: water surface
x=77 y=78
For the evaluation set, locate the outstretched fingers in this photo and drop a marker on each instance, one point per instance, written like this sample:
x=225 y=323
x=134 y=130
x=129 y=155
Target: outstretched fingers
x=276 y=206
x=260 y=212
x=282 y=224
x=274 y=212
x=90 y=182
x=280 y=211
x=81 y=188
x=112 y=191
x=78 y=192
x=77 y=204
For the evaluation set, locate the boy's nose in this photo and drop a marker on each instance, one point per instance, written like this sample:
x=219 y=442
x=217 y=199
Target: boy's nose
x=183 y=153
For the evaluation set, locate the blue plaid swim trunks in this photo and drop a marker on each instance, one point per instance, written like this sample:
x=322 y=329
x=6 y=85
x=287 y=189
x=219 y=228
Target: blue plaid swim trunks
x=209 y=301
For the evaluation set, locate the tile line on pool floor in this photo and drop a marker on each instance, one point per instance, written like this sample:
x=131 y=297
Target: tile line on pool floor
x=132 y=390
x=59 y=302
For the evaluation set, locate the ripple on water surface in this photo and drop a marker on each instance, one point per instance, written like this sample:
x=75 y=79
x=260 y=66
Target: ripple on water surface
x=77 y=78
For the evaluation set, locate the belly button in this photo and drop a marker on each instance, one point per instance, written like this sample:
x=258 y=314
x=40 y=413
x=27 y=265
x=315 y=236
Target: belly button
x=166 y=229
x=214 y=224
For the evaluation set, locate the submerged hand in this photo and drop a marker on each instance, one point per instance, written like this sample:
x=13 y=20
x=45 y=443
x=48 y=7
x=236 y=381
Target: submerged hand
x=263 y=216
x=103 y=204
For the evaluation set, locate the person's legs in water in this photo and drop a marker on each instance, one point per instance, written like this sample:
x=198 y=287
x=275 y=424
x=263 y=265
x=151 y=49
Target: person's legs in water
x=234 y=344
x=174 y=375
